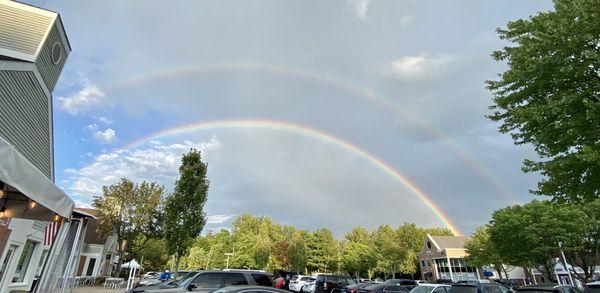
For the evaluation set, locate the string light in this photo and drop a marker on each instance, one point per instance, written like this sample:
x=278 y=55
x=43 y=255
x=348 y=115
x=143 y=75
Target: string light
x=32 y=204
x=3 y=210
x=56 y=218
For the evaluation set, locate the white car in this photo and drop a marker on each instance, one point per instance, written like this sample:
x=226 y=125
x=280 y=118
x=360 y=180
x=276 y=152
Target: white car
x=298 y=281
x=309 y=287
x=431 y=288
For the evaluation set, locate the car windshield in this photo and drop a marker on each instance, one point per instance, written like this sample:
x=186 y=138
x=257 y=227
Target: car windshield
x=374 y=287
x=422 y=289
x=463 y=289
x=183 y=279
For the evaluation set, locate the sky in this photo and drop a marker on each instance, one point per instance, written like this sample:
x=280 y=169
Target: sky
x=316 y=113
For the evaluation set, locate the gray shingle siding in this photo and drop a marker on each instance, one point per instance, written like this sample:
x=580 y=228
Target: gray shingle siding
x=22 y=31
x=50 y=72
x=24 y=120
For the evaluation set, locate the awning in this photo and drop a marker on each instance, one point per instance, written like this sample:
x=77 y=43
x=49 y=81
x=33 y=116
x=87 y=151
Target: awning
x=25 y=182
x=131 y=265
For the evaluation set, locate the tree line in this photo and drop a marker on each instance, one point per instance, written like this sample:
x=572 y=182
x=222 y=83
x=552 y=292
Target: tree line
x=257 y=242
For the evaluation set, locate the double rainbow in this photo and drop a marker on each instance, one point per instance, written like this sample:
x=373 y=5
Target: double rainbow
x=310 y=133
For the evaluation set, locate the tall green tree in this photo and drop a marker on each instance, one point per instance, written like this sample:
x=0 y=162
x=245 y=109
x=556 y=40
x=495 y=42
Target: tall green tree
x=529 y=235
x=129 y=210
x=550 y=96
x=482 y=252
x=184 y=216
x=583 y=249
x=322 y=251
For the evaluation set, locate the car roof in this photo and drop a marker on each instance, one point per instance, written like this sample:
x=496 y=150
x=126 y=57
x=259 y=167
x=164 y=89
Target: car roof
x=237 y=288
x=547 y=287
x=433 y=285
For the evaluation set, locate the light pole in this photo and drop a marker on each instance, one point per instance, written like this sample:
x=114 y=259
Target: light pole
x=562 y=253
x=228 y=254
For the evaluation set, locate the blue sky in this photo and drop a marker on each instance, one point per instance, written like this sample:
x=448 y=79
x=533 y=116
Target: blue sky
x=141 y=67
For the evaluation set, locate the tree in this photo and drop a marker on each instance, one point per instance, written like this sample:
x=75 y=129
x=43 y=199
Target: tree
x=529 y=235
x=322 y=251
x=129 y=210
x=360 y=255
x=151 y=253
x=550 y=96
x=583 y=250
x=482 y=252
x=184 y=215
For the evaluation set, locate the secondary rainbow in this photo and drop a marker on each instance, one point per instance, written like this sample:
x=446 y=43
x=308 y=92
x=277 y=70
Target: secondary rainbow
x=354 y=90
x=311 y=133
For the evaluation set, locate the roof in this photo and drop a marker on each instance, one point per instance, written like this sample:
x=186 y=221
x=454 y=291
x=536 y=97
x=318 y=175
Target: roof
x=86 y=210
x=449 y=242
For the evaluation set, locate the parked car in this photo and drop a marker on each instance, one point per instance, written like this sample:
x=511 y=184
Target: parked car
x=477 y=287
x=309 y=287
x=548 y=288
x=384 y=288
x=150 y=274
x=154 y=283
x=593 y=287
x=356 y=287
x=208 y=281
x=298 y=281
x=248 y=288
x=279 y=282
x=431 y=288
x=408 y=284
x=332 y=283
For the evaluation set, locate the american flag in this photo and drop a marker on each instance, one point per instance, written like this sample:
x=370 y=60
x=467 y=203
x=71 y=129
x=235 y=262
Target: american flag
x=51 y=230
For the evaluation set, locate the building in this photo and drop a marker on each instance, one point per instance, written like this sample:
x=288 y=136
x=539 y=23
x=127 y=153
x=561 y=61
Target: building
x=33 y=51
x=99 y=254
x=443 y=257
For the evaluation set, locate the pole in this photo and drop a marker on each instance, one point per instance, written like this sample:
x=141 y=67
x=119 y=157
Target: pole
x=562 y=253
x=450 y=268
x=65 y=280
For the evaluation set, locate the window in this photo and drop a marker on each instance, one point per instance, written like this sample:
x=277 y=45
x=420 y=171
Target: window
x=440 y=290
x=24 y=261
x=230 y=279
x=41 y=263
x=262 y=280
x=208 y=280
x=491 y=289
x=9 y=254
x=90 y=268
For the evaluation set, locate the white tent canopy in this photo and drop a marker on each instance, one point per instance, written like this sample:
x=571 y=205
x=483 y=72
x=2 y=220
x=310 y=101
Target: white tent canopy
x=26 y=183
x=131 y=265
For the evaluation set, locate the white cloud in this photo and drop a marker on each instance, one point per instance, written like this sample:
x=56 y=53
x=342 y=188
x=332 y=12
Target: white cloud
x=104 y=120
x=87 y=98
x=106 y=136
x=218 y=219
x=157 y=162
x=418 y=66
x=361 y=8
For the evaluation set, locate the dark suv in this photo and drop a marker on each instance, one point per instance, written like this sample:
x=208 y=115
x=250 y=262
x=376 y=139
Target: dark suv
x=478 y=287
x=208 y=281
x=332 y=283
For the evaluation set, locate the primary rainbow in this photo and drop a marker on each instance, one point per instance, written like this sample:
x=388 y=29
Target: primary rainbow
x=356 y=91
x=308 y=132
